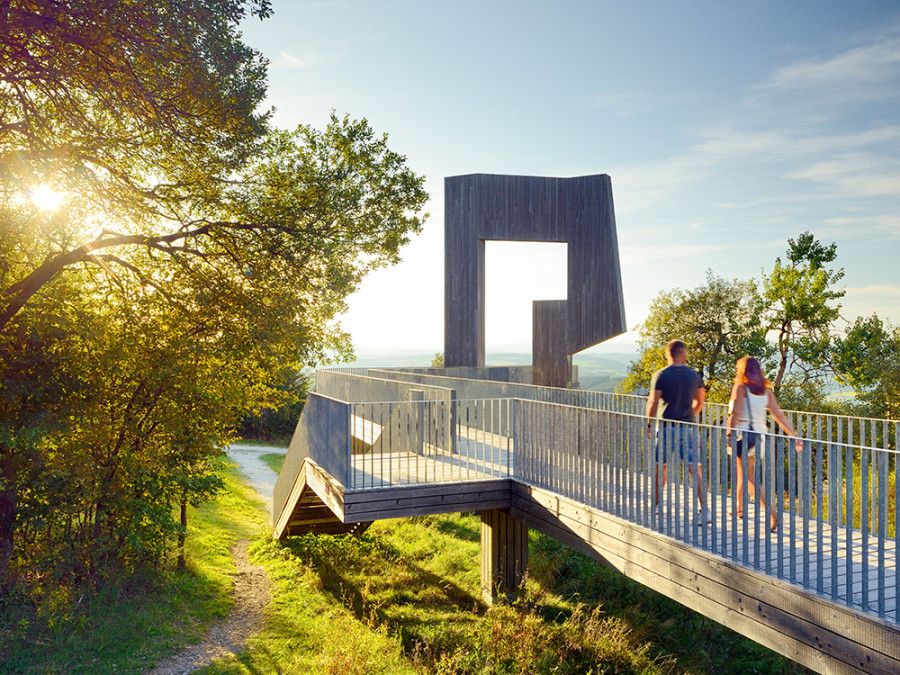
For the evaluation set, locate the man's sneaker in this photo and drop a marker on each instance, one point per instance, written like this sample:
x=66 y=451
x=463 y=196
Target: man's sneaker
x=703 y=517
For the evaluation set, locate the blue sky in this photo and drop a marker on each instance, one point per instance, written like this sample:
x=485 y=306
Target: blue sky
x=726 y=128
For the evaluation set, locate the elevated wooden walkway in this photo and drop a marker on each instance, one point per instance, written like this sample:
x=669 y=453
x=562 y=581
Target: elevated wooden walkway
x=823 y=593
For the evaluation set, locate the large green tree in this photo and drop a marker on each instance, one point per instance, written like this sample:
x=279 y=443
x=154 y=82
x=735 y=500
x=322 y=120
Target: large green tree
x=158 y=394
x=867 y=358
x=800 y=299
x=191 y=239
x=718 y=322
x=134 y=111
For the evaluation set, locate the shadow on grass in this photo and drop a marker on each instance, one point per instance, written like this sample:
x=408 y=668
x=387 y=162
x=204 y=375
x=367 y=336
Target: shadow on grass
x=373 y=578
x=459 y=530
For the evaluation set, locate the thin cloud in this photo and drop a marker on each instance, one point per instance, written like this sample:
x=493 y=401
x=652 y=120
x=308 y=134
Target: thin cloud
x=855 y=175
x=291 y=62
x=875 y=63
x=880 y=299
x=643 y=253
x=891 y=291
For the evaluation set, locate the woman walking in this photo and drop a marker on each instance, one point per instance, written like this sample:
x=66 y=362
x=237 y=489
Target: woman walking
x=750 y=399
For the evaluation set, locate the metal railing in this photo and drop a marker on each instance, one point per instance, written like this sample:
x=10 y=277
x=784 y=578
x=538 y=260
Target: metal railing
x=815 y=426
x=428 y=439
x=835 y=500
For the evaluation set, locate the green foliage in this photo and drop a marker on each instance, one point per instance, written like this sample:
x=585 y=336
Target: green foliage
x=402 y=599
x=274 y=460
x=413 y=585
x=438 y=360
x=718 y=323
x=795 y=304
x=682 y=640
x=868 y=359
x=123 y=625
x=800 y=307
x=278 y=425
x=196 y=256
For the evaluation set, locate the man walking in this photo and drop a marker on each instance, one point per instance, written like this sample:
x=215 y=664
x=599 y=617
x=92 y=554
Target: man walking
x=682 y=394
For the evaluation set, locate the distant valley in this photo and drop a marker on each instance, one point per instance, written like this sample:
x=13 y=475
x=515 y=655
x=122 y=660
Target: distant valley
x=596 y=372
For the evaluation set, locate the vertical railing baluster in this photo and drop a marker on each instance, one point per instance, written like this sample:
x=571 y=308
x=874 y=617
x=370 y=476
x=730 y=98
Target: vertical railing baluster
x=896 y=523
x=864 y=504
x=604 y=463
x=593 y=448
x=712 y=484
x=787 y=512
x=882 y=457
x=772 y=446
x=735 y=504
x=849 y=514
x=805 y=458
x=617 y=460
x=365 y=420
x=820 y=507
x=352 y=475
x=766 y=536
x=835 y=472
x=367 y=442
x=777 y=489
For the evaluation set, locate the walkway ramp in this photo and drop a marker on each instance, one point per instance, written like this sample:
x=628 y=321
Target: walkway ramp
x=821 y=589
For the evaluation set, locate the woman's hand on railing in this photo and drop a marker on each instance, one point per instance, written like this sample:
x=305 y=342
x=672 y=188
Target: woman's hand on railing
x=798 y=444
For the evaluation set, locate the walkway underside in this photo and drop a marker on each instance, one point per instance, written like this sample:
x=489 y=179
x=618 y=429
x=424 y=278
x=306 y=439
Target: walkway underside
x=804 y=626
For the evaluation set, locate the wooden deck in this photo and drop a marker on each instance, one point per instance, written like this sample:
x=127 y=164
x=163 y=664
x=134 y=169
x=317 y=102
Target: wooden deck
x=746 y=541
x=725 y=570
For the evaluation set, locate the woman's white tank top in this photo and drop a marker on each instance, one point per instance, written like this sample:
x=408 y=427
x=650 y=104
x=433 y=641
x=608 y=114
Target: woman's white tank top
x=759 y=404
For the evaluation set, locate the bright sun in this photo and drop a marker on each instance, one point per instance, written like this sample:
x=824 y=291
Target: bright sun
x=45 y=198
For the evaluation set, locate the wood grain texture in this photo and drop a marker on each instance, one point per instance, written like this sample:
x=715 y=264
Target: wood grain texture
x=504 y=553
x=577 y=211
x=551 y=363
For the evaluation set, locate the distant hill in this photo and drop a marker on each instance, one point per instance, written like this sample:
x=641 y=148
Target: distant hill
x=596 y=372
x=602 y=372
x=384 y=358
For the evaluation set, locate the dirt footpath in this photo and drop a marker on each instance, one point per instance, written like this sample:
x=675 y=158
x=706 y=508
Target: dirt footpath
x=251 y=585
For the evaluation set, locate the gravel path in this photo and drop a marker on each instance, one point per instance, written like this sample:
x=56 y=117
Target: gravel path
x=257 y=472
x=251 y=585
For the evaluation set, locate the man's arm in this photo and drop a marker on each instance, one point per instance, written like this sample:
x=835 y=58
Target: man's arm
x=699 y=401
x=652 y=404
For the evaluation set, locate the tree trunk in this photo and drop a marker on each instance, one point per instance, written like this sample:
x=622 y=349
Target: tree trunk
x=782 y=363
x=8 y=509
x=182 y=535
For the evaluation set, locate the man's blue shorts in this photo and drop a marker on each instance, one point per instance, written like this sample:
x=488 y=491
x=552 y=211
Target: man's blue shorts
x=675 y=433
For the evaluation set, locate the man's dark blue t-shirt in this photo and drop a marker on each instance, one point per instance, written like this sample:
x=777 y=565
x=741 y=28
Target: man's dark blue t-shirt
x=679 y=386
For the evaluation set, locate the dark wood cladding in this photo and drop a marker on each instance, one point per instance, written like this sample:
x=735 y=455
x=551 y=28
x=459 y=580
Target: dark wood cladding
x=550 y=360
x=577 y=211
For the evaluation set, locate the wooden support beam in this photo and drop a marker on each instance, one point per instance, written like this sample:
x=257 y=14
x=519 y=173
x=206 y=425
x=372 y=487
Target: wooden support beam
x=795 y=622
x=504 y=553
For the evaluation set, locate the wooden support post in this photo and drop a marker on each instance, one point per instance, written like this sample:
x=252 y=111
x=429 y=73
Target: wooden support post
x=504 y=553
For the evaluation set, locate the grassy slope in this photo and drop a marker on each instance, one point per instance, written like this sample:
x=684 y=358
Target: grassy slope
x=417 y=580
x=401 y=599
